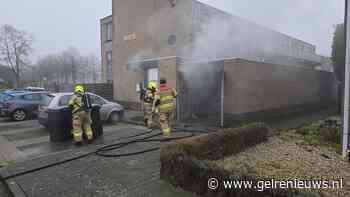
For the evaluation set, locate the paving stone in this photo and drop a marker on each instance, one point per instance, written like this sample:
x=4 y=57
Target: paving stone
x=12 y=125
x=4 y=192
x=93 y=175
x=8 y=151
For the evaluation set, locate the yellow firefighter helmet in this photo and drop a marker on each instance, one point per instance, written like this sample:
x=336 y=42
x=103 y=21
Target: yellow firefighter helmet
x=152 y=85
x=79 y=89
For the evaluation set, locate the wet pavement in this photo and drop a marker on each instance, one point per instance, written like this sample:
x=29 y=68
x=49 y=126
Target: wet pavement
x=91 y=176
x=4 y=192
x=27 y=144
x=31 y=139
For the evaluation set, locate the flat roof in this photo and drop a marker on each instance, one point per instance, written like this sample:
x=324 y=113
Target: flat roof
x=153 y=59
x=252 y=22
x=106 y=18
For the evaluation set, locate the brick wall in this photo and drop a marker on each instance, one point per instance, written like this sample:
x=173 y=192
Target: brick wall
x=152 y=22
x=258 y=87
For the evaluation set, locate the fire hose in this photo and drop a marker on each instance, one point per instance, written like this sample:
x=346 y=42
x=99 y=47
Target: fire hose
x=103 y=151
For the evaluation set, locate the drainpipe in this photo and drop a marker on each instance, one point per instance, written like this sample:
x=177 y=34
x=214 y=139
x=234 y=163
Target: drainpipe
x=346 y=83
x=222 y=96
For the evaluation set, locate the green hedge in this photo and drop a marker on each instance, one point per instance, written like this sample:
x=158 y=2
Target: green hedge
x=185 y=163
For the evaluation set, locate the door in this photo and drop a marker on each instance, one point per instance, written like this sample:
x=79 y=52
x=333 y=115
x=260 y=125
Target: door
x=152 y=74
x=31 y=102
x=105 y=106
x=37 y=100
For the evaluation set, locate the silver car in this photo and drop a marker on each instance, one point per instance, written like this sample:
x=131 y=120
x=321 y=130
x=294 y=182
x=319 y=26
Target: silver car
x=109 y=111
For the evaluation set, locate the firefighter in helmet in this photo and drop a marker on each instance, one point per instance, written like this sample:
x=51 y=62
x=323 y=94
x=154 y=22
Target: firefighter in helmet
x=165 y=100
x=148 y=100
x=80 y=105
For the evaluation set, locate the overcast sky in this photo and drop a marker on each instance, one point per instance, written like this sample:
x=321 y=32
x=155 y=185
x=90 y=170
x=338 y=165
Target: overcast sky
x=57 y=24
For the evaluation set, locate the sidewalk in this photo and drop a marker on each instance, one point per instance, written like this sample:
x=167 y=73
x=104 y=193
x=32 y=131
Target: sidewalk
x=8 y=152
x=293 y=121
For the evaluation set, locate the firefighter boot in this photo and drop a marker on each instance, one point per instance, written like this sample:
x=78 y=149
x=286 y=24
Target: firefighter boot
x=87 y=127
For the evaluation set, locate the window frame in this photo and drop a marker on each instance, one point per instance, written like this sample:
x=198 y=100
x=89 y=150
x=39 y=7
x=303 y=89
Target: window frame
x=25 y=97
x=109 y=31
x=98 y=97
x=109 y=66
x=61 y=98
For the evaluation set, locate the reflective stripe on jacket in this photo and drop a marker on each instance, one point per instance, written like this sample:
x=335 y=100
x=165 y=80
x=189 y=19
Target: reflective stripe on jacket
x=166 y=98
x=76 y=103
x=148 y=100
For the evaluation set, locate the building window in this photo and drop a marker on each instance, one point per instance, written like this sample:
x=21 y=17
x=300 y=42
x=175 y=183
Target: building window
x=109 y=70
x=172 y=40
x=109 y=31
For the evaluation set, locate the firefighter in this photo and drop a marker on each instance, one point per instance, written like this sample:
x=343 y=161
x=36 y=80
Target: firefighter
x=148 y=100
x=80 y=105
x=165 y=102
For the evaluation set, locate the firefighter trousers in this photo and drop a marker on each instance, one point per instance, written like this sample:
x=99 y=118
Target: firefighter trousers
x=82 y=123
x=148 y=116
x=165 y=121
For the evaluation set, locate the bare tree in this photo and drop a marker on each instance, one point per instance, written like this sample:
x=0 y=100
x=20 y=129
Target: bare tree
x=92 y=68
x=48 y=67
x=15 y=46
x=72 y=62
x=67 y=67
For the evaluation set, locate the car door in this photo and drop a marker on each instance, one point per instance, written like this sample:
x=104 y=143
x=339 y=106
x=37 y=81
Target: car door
x=104 y=110
x=36 y=100
x=27 y=102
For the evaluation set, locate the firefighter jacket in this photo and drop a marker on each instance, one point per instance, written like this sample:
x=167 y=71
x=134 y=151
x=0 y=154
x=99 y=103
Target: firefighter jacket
x=76 y=103
x=148 y=100
x=165 y=98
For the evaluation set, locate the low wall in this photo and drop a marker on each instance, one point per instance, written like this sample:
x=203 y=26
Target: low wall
x=259 y=87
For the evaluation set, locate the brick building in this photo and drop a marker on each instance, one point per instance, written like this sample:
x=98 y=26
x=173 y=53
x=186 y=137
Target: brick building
x=106 y=48
x=148 y=33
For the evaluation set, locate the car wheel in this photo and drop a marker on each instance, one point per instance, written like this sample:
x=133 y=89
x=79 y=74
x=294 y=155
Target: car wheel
x=114 y=117
x=19 y=115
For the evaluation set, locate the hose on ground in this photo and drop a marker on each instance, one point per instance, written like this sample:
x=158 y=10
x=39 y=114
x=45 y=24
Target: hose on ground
x=103 y=150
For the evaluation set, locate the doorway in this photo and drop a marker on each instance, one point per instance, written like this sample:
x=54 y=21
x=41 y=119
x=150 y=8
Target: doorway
x=201 y=87
x=152 y=74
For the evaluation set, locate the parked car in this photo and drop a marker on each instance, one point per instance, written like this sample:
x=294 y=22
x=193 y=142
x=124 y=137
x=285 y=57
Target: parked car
x=109 y=111
x=34 y=89
x=3 y=96
x=11 y=91
x=21 y=105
